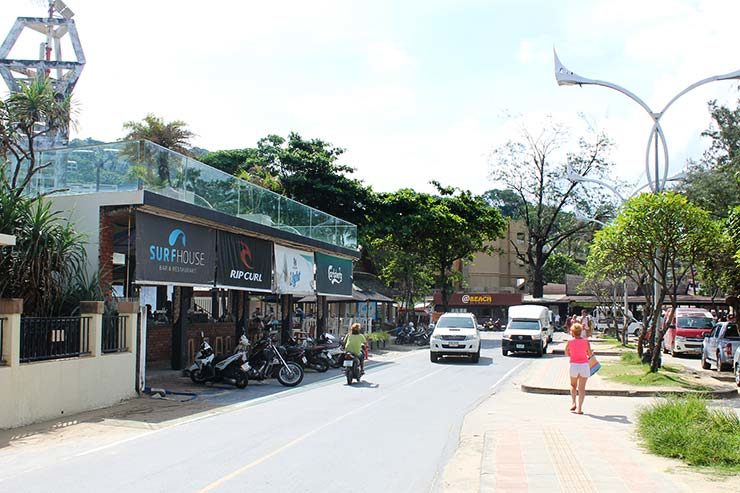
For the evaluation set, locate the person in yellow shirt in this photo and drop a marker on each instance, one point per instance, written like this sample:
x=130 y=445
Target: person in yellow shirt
x=353 y=344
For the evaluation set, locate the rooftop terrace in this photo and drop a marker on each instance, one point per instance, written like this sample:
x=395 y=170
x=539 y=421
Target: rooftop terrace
x=143 y=165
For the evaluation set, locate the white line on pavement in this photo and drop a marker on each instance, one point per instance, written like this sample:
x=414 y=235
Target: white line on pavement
x=301 y=438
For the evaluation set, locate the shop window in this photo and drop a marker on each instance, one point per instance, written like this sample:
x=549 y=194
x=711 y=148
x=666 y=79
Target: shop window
x=229 y=344
x=219 y=345
x=520 y=237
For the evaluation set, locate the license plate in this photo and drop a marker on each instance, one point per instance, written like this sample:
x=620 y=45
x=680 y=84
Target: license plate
x=347 y=363
x=520 y=346
x=305 y=360
x=453 y=344
x=245 y=367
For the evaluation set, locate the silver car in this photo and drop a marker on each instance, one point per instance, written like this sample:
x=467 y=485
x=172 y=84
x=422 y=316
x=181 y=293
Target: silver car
x=719 y=346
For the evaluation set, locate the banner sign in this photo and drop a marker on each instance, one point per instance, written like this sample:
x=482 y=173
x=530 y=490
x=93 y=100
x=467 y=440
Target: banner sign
x=333 y=275
x=293 y=271
x=174 y=252
x=244 y=263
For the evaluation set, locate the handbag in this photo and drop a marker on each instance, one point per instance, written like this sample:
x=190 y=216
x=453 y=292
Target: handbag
x=593 y=365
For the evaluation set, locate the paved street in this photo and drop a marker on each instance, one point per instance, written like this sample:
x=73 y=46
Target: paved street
x=393 y=432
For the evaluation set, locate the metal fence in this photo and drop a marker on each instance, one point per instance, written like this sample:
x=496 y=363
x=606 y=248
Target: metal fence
x=44 y=338
x=2 y=336
x=114 y=334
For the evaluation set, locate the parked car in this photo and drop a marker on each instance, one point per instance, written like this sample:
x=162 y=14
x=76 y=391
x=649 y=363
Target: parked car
x=720 y=346
x=455 y=334
x=634 y=328
x=685 y=329
x=527 y=330
x=736 y=365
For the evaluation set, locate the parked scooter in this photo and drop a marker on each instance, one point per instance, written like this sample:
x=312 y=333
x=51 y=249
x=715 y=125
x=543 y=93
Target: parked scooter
x=207 y=368
x=266 y=360
x=351 y=365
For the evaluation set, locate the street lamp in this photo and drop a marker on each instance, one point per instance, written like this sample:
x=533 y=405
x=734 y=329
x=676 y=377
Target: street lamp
x=565 y=77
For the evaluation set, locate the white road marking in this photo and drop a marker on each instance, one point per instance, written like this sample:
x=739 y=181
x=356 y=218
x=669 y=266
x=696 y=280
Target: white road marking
x=301 y=438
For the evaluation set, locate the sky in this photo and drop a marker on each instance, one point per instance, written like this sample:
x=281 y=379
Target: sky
x=413 y=90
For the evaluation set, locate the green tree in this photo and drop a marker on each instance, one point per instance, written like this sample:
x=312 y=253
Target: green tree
x=558 y=265
x=506 y=201
x=48 y=256
x=534 y=169
x=309 y=171
x=27 y=116
x=713 y=182
x=173 y=135
x=440 y=229
x=661 y=236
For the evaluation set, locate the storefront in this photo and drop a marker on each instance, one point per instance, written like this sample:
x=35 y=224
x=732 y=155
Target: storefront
x=482 y=305
x=174 y=232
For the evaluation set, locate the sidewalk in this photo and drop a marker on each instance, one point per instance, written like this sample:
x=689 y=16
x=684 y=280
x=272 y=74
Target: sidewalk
x=519 y=442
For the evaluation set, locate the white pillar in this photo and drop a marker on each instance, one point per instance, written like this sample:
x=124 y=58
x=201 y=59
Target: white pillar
x=11 y=310
x=91 y=313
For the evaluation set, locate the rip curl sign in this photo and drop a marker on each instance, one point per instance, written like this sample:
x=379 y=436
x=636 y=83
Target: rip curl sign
x=333 y=275
x=173 y=252
x=244 y=263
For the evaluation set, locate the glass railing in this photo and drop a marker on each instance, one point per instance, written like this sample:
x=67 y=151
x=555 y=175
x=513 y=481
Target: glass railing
x=143 y=165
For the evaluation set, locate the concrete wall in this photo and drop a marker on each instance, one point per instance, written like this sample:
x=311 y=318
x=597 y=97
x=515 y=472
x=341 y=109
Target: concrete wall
x=84 y=212
x=45 y=390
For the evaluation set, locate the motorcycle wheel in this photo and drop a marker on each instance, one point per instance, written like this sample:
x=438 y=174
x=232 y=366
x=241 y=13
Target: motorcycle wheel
x=320 y=365
x=290 y=376
x=197 y=376
x=349 y=377
x=241 y=379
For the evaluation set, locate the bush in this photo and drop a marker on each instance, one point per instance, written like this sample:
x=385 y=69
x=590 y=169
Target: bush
x=685 y=428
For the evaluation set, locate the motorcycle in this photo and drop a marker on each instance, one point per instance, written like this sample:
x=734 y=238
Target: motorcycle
x=266 y=360
x=308 y=355
x=330 y=349
x=207 y=368
x=351 y=366
x=422 y=338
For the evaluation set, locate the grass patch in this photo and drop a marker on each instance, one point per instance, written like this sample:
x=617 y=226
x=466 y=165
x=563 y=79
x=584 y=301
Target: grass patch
x=631 y=371
x=685 y=428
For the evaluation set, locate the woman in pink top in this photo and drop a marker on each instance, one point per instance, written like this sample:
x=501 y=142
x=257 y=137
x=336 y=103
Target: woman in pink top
x=579 y=351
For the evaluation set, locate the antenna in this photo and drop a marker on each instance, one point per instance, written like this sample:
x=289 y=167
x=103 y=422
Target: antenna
x=16 y=72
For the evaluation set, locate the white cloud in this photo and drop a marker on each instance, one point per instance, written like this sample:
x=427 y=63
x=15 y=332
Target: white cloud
x=387 y=58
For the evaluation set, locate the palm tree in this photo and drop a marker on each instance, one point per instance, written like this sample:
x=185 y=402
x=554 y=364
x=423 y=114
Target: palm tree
x=33 y=113
x=172 y=135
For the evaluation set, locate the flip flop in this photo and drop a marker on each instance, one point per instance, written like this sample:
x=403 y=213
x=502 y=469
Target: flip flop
x=579 y=412
x=573 y=408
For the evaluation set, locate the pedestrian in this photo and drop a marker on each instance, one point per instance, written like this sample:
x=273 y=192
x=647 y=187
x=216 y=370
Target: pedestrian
x=579 y=351
x=588 y=324
x=568 y=323
x=557 y=320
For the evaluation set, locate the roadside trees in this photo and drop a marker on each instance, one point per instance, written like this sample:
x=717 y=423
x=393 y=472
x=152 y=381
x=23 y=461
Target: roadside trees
x=535 y=169
x=658 y=236
x=437 y=230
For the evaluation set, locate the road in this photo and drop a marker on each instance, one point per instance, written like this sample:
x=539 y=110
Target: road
x=393 y=432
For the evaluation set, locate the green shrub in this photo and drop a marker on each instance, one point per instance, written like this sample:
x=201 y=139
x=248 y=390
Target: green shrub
x=685 y=428
x=630 y=358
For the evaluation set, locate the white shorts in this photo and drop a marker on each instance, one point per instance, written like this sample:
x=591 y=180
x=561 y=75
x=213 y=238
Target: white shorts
x=580 y=370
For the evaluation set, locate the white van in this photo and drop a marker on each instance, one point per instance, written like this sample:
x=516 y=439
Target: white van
x=529 y=329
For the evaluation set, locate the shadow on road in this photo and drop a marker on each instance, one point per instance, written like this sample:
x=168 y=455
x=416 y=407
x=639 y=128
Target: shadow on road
x=465 y=361
x=363 y=385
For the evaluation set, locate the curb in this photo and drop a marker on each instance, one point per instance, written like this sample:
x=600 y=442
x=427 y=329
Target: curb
x=715 y=394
